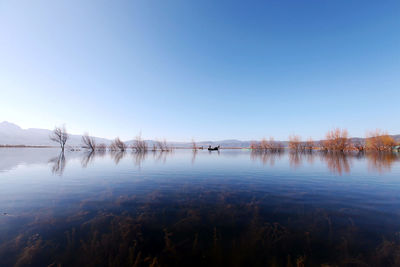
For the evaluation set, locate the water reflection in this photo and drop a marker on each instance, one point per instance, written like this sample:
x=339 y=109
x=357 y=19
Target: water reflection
x=117 y=155
x=194 y=154
x=58 y=164
x=382 y=162
x=266 y=157
x=139 y=157
x=87 y=158
x=336 y=162
x=200 y=208
x=161 y=156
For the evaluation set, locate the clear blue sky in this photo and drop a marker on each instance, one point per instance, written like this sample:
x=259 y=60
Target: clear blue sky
x=201 y=69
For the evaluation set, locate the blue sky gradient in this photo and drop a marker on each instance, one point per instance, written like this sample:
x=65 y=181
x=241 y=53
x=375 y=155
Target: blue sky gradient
x=207 y=70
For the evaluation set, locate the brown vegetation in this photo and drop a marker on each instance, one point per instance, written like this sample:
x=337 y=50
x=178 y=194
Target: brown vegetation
x=336 y=140
x=309 y=145
x=295 y=143
x=379 y=141
x=270 y=145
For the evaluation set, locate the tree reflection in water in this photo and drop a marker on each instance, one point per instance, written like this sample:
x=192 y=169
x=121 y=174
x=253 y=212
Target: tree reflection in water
x=161 y=156
x=87 y=158
x=266 y=157
x=337 y=162
x=117 y=155
x=58 y=164
x=139 y=157
x=381 y=161
x=194 y=154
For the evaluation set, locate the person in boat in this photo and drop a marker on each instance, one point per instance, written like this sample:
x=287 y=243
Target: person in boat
x=213 y=148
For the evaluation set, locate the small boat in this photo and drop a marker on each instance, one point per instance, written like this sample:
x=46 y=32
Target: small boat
x=213 y=148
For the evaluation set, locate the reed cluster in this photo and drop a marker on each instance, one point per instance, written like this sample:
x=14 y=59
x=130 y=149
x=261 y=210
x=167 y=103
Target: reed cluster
x=338 y=140
x=267 y=145
x=296 y=144
x=139 y=144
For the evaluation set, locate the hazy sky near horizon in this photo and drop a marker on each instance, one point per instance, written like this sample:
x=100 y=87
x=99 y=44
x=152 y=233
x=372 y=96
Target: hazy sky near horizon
x=207 y=70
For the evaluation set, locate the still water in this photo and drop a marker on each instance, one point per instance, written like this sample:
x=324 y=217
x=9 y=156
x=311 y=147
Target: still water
x=184 y=208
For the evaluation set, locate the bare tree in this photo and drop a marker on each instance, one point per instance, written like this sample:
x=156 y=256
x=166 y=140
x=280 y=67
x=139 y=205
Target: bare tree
x=336 y=140
x=117 y=145
x=309 y=145
x=88 y=142
x=101 y=147
x=267 y=145
x=295 y=143
x=60 y=136
x=380 y=141
x=162 y=145
x=140 y=145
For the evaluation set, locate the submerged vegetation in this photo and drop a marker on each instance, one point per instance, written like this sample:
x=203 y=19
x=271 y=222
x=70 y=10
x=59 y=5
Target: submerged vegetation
x=197 y=226
x=194 y=224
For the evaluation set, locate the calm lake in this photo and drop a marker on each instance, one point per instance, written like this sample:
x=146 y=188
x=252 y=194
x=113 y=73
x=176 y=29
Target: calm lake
x=185 y=208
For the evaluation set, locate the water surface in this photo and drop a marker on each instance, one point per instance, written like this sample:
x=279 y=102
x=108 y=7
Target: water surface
x=227 y=208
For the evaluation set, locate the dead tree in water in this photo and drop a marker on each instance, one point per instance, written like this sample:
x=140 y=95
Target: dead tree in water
x=309 y=145
x=101 y=147
x=267 y=146
x=295 y=143
x=336 y=140
x=139 y=145
x=379 y=141
x=162 y=145
x=88 y=142
x=118 y=145
x=60 y=136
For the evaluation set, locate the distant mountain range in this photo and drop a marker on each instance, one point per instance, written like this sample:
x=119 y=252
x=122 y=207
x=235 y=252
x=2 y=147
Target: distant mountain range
x=12 y=134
